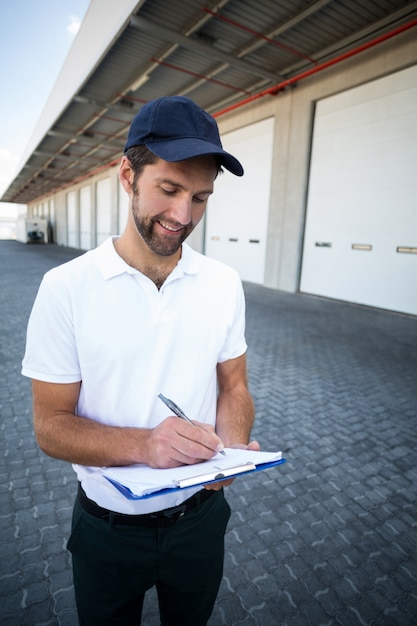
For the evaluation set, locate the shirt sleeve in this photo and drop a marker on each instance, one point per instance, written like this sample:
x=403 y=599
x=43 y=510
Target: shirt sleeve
x=235 y=344
x=51 y=351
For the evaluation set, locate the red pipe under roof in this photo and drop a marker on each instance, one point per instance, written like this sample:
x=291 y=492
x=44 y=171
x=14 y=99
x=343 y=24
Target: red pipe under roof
x=318 y=68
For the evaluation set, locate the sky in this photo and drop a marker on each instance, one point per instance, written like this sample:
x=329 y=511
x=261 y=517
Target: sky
x=35 y=38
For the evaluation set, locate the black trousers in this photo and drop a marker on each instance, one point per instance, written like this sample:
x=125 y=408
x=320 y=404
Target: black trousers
x=115 y=564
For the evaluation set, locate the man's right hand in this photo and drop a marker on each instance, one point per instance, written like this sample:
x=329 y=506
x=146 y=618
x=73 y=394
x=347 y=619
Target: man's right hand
x=175 y=442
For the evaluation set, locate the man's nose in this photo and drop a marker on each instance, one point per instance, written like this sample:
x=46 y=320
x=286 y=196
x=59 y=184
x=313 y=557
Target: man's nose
x=181 y=210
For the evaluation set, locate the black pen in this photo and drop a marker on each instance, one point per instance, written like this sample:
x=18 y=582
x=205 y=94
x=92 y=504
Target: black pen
x=179 y=412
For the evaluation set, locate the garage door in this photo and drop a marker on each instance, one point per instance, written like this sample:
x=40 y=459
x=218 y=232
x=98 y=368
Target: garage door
x=72 y=221
x=85 y=218
x=237 y=214
x=104 y=209
x=361 y=229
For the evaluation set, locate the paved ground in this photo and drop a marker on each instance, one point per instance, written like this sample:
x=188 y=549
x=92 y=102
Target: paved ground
x=328 y=538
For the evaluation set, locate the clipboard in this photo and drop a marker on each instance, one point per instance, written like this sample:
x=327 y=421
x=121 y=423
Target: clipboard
x=150 y=483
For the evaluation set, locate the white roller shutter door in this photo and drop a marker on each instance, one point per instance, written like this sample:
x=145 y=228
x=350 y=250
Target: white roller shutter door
x=85 y=218
x=103 y=204
x=237 y=214
x=72 y=221
x=361 y=229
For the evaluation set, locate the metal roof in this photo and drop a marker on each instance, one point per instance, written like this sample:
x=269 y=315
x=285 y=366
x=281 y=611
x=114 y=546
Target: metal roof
x=219 y=53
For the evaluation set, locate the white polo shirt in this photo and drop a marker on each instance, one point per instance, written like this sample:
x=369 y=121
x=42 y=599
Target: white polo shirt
x=99 y=321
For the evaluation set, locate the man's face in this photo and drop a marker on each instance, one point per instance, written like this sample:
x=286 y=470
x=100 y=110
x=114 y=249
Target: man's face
x=169 y=199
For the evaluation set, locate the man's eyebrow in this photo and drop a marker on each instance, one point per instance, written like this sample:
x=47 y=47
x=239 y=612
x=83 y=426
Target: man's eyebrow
x=177 y=184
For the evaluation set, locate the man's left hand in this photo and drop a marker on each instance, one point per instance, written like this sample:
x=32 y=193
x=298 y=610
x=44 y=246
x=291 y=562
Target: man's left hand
x=253 y=445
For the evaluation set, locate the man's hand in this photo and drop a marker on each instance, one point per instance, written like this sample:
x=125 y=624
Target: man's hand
x=253 y=445
x=175 y=442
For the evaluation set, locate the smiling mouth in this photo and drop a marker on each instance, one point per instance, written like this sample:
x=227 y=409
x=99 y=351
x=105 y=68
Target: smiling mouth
x=170 y=227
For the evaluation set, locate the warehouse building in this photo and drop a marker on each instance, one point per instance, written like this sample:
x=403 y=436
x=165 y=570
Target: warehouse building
x=317 y=99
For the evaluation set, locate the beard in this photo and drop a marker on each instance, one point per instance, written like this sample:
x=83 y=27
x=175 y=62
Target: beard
x=159 y=244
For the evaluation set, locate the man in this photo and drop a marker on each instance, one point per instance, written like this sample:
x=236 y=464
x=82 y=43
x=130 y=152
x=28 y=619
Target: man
x=140 y=315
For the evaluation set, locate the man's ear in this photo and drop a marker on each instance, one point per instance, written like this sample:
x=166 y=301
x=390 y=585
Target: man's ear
x=126 y=174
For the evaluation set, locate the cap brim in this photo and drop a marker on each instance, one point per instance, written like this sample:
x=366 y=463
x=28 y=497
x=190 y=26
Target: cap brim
x=186 y=148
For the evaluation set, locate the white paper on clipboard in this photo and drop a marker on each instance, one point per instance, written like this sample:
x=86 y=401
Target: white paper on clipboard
x=141 y=481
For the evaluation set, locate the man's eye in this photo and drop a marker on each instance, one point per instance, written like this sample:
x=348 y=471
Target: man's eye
x=198 y=200
x=168 y=192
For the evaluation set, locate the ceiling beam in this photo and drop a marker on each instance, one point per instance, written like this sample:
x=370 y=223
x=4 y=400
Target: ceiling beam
x=199 y=47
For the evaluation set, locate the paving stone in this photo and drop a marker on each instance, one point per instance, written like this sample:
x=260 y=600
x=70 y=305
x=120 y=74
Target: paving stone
x=409 y=604
x=276 y=553
x=11 y=603
x=328 y=538
x=9 y=581
x=282 y=606
x=315 y=614
x=64 y=598
x=362 y=612
x=29 y=555
x=39 y=613
x=34 y=572
x=231 y=610
x=34 y=592
x=327 y=574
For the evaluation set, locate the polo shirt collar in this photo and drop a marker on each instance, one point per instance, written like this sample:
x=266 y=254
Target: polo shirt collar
x=110 y=264
x=188 y=262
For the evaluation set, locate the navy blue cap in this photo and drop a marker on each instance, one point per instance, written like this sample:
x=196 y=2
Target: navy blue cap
x=175 y=128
